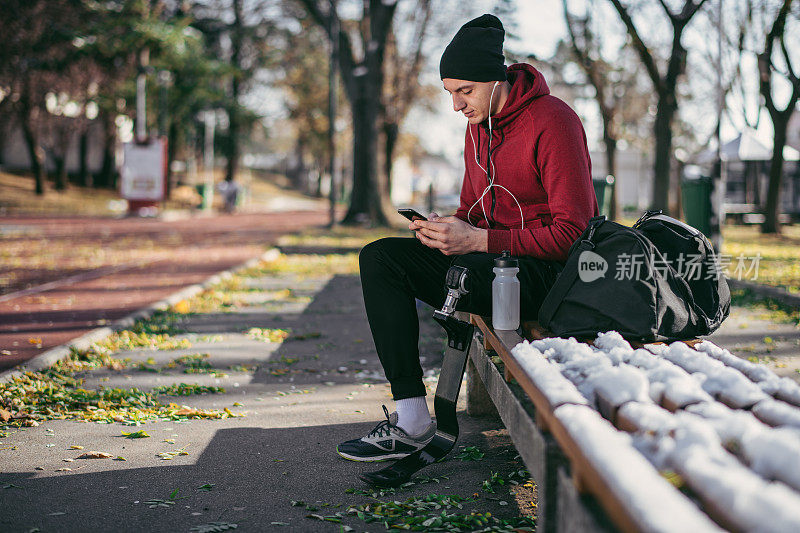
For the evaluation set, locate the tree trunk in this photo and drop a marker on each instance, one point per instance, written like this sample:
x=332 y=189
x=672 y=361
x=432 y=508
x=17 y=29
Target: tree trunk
x=107 y=177
x=232 y=151
x=61 y=172
x=83 y=151
x=611 y=165
x=173 y=142
x=365 y=198
x=772 y=210
x=663 y=151
x=35 y=152
x=391 y=132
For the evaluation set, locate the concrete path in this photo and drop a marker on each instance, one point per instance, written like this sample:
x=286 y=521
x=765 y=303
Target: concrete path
x=301 y=396
x=753 y=334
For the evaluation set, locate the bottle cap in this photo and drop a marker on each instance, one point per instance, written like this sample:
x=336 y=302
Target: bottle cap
x=506 y=261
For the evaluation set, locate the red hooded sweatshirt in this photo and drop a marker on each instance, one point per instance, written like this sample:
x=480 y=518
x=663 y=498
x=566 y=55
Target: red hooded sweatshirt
x=538 y=154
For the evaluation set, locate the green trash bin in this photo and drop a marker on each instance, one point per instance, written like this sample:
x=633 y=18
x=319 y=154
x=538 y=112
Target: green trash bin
x=696 y=197
x=603 y=188
x=206 y=195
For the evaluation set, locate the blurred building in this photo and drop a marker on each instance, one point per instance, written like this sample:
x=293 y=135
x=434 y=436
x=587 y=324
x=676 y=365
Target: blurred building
x=746 y=159
x=412 y=182
x=634 y=178
x=14 y=154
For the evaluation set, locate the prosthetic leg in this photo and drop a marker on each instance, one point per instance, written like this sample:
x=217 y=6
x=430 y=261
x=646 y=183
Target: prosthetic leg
x=459 y=338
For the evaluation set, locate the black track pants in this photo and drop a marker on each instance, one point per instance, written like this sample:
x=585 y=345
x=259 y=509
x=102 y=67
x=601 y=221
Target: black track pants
x=395 y=271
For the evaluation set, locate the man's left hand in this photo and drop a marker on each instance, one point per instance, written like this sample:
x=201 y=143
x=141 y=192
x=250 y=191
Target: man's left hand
x=451 y=235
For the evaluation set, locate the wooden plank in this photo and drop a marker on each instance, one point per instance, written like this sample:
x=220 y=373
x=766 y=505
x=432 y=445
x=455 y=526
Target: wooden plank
x=585 y=476
x=584 y=473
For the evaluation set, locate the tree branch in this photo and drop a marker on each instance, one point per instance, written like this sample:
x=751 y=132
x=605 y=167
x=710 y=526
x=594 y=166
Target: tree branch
x=645 y=55
x=669 y=13
x=765 y=66
x=792 y=76
x=409 y=85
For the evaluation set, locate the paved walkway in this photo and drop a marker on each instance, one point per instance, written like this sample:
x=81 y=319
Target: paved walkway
x=301 y=397
x=748 y=333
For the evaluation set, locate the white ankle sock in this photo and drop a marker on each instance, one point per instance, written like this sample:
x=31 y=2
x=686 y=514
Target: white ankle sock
x=412 y=415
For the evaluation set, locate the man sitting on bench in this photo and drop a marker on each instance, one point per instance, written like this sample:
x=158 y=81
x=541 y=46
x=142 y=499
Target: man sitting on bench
x=527 y=189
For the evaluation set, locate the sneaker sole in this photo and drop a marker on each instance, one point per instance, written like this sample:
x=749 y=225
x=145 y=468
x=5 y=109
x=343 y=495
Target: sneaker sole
x=372 y=459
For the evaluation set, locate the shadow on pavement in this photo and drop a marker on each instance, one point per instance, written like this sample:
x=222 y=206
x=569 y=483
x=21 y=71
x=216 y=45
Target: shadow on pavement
x=255 y=473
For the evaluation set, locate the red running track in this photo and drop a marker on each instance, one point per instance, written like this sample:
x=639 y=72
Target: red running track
x=161 y=257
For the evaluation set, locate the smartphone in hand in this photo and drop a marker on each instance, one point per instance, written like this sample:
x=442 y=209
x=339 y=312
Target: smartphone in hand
x=410 y=214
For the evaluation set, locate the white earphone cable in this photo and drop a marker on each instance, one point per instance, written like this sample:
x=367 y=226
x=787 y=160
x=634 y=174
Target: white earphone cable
x=490 y=177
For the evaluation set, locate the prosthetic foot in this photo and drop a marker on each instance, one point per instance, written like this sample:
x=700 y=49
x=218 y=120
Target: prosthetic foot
x=459 y=337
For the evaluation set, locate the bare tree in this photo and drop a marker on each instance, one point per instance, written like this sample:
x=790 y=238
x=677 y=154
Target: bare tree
x=363 y=78
x=767 y=69
x=303 y=77
x=585 y=43
x=665 y=83
x=402 y=86
x=29 y=61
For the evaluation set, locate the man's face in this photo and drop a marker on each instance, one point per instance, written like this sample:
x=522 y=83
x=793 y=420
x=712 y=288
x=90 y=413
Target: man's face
x=471 y=98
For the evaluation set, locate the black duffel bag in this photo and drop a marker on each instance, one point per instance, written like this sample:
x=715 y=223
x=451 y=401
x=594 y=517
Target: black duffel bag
x=659 y=280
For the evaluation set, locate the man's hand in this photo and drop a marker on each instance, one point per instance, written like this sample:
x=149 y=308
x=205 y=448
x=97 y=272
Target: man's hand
x=450 y=235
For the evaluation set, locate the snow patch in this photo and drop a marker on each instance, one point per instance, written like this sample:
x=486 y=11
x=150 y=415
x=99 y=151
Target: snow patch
x=777 y=413
x=653 y=503
x=546 y=376
x=621 y=384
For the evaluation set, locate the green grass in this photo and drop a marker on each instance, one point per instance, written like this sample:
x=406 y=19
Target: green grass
x=779 y=255
x=769 y=308
x=340 y=237
x=779 y=265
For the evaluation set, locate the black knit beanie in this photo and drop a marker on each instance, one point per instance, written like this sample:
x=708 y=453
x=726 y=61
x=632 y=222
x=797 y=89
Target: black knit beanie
x=476 y=52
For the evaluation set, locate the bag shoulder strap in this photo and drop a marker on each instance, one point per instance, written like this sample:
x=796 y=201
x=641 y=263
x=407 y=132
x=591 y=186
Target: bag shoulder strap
x=567 y=276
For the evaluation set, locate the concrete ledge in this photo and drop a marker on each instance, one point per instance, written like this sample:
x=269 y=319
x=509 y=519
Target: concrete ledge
x=46 y=359
x=766 y=291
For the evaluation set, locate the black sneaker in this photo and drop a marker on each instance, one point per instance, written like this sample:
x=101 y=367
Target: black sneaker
x=385 y=441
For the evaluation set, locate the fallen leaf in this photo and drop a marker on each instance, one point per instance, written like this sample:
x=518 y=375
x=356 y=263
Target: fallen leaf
x=95 y=455
x=65 y=469
x=213 y=527
x=74 y=447
x=120 y=458
x=187 y=411
x=141 y=434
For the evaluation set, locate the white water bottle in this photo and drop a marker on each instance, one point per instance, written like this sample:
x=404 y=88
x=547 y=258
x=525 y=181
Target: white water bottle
x=505 y=293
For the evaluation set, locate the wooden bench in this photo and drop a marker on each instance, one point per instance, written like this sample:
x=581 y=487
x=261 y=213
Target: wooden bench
x=561 y=436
